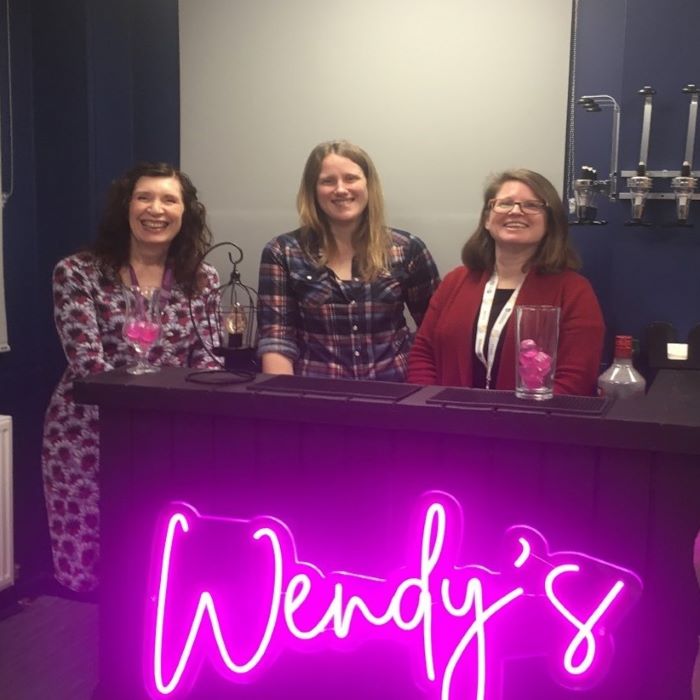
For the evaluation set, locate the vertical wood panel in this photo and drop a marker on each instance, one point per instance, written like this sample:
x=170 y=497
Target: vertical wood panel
x=567 y=495
x=673 y=600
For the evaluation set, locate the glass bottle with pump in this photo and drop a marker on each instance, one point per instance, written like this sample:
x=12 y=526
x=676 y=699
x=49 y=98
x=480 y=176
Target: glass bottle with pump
x=621 y=380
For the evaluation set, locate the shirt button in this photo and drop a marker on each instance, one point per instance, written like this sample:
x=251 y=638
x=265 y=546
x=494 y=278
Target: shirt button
x=309 y=277
x=356 y=353
x=353 y=302
x=354 y=327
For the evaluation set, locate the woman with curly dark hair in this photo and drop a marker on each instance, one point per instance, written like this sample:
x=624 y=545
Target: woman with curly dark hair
x=152 y=234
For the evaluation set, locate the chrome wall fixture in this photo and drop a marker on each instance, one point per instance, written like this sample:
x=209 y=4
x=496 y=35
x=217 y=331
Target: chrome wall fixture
x=587 y=185
x=685 y=184
x=641 y=182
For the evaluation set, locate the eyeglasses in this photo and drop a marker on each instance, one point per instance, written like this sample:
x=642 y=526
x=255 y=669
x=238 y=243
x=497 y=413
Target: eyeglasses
x=529 y=206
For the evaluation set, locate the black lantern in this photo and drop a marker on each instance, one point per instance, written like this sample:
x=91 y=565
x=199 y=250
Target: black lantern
x=232 y=326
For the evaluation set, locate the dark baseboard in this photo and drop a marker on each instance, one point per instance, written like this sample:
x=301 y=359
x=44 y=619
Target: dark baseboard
x=29 y=587
x=9 y=602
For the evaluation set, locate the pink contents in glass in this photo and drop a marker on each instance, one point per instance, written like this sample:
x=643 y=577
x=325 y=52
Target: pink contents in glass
x=534 y=364
x=142 y=332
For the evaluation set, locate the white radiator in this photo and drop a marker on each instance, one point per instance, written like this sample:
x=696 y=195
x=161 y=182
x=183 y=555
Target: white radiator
x=7 y=564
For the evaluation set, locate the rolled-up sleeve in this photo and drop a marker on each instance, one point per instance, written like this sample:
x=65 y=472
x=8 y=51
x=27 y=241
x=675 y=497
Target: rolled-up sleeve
x=423 y=279
x=278 y=314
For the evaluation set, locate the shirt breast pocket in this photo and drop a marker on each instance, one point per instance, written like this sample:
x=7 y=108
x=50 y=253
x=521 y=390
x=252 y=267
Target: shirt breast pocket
x=388 y=288
x=310 y=290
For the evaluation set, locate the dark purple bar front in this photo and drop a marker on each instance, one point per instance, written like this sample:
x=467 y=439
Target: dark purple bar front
x=621 y=483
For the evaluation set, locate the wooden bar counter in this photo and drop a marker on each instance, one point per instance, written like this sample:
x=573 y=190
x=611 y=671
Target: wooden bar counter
x=620 y=482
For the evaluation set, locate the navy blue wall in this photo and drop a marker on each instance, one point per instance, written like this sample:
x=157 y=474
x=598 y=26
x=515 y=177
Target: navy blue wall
x=641 y=274
x=21 y=371
x=95 y=87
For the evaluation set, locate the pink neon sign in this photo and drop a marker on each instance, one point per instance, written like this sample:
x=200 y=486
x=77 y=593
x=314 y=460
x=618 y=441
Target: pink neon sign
x=254 y=599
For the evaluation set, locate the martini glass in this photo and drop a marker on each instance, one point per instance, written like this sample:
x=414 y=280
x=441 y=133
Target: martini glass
x=142 y=325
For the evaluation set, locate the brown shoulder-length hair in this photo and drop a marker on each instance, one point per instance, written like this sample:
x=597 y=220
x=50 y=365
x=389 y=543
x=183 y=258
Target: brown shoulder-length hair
x=553 y=254
x=114 y=234
x=372 y=239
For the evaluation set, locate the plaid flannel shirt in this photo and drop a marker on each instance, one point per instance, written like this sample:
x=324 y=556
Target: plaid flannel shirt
x=342 y=328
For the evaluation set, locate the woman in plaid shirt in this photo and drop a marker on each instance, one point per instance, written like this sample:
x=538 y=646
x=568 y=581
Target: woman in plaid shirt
x=332 y=293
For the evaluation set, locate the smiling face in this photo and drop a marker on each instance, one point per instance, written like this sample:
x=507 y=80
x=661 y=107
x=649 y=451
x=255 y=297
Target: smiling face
x=155 y=211
x=516 y=229
x=341 y=191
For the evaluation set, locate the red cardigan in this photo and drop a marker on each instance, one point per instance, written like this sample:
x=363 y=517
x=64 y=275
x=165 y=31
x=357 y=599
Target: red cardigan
x=442 y=351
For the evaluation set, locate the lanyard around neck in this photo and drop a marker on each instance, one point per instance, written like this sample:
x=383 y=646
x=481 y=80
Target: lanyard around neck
x=482 y=324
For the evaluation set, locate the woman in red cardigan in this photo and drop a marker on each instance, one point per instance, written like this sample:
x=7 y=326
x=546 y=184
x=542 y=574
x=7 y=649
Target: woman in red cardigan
x=520 y=253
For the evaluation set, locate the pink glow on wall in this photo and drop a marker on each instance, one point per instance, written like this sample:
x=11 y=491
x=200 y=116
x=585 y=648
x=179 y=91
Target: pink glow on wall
x=234 y=593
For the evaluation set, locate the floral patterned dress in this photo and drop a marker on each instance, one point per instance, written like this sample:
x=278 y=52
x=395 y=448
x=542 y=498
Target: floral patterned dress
x=89 y=313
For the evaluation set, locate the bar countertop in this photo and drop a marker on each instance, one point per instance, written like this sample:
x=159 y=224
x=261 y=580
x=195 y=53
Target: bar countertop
x=667 y=419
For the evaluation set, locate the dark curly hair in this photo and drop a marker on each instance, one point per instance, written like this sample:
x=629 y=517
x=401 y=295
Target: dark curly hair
x=187 y=248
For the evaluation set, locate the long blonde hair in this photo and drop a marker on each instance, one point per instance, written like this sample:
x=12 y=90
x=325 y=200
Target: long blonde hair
x=372 y=239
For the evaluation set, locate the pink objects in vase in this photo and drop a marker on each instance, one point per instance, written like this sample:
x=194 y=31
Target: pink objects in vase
x=533 y=363
x=141 y=332
x=141 y=324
